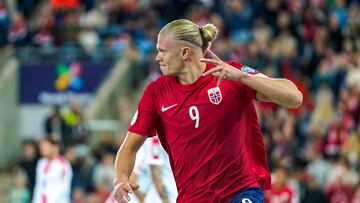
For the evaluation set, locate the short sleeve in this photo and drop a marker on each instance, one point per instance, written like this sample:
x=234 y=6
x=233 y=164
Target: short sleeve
x=145 y=117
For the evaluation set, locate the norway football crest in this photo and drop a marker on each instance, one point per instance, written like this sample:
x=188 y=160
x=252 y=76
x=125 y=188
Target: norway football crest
x=215 y=95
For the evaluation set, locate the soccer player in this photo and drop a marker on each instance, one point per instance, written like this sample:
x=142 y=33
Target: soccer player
x=280 y=191
x=152 y=169
x=53 y=174
x=203 y=112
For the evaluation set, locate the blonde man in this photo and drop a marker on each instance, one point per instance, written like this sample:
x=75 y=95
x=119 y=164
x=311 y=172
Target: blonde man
x=203 y=112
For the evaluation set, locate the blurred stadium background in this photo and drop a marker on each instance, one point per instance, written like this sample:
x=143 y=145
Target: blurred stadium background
x=75 y=69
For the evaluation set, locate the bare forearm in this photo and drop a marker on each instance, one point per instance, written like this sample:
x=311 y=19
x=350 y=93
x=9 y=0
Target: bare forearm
x=280 y=91
x=125 y=157
x=124 y=164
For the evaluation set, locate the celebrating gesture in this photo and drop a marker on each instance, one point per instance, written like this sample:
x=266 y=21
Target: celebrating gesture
x=207 y=125
x=222 y=69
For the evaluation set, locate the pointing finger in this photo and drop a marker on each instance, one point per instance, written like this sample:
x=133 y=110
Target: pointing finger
x=214 y=56
x=213 y=61
x=213 y=70
x=223 y=75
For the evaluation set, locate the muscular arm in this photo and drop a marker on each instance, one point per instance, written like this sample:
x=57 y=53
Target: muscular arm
x=156 y=176
x=280 y=91
x=125 y=157
x=124 y=164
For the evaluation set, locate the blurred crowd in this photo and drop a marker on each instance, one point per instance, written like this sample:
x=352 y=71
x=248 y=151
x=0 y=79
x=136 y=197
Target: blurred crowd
x=313 y=151
x=91 y=164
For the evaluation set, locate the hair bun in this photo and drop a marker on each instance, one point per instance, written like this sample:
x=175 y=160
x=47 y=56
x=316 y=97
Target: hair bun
x=208 y=33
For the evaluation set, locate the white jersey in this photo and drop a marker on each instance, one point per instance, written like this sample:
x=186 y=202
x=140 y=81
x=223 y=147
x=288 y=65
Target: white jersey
x=53 y=181
x=152 y=154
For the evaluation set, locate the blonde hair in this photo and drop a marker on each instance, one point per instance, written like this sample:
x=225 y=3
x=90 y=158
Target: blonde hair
x=185 y=30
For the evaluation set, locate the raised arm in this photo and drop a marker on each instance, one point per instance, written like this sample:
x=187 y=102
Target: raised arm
x=277 y=90
x=280 y=91
x=124 y=165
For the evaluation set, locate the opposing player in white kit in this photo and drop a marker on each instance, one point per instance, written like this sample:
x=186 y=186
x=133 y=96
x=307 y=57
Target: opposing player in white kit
x=152 y=171
x=53 y=174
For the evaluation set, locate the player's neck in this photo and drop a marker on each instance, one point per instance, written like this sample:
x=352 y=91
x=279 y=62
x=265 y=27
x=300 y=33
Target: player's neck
x=52 y=156
x=193 y=72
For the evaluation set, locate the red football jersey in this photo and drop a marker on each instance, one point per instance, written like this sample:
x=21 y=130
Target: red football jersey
x=211 y=134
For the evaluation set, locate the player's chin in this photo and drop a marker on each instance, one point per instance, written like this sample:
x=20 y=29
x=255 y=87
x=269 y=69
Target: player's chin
x=164 y=71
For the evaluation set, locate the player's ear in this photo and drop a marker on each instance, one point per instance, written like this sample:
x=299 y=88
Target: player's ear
x=185 y=52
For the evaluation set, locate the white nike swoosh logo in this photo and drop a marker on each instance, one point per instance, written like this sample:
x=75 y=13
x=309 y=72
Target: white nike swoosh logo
x=163 y=109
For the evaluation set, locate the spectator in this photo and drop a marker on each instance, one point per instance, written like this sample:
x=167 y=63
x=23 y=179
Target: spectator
x=28 y=161
x=4 y=24
x=19 y=192
x=318 y=167
x=18 y=31
x=324 y=110
x=313 y=191
x=79 y=196
x=280 y=191
x=351 y=150
x=341 y=180
x=43 y=38
x=353 y=76
x=88 y=39
x=78 y=180
x=356 y=197
x=103 y=176
x=55 y=125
